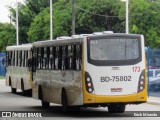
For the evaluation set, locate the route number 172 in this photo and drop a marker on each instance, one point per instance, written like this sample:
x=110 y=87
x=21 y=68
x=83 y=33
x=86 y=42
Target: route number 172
x=136 y=69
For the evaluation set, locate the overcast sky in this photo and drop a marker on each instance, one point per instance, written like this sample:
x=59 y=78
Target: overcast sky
x=4 y=13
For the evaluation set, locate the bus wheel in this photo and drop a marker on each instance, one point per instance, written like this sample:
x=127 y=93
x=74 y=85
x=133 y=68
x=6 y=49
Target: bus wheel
x=64 y=101
x=13 y=90
x=22 y=87
x=116 y=108
x=45 y=104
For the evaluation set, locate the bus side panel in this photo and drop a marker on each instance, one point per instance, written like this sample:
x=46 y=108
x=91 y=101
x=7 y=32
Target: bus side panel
x=53 y=81
x=16 y=74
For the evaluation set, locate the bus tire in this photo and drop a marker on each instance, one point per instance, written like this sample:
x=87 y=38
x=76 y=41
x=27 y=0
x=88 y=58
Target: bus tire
x=22 y=87
x=13 y=90
x=116 y=108
x=122 y=108
x=45 y=104
x=64 y=101
x=9 y=81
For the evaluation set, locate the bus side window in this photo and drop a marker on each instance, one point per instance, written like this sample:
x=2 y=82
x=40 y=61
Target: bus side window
x=47 y=59
x=60 y=58
x=56 y=57
x=65 y=57
x=74 y=58
x=9 y=58
x=34 y=60
x=27 y=58
x=20 y=58
x=42 y=59
x=69 y=57
x=78 y=56
x=39 y=58
x=50 y=58
x=16 y=58
x=53 y=58
x=13 y=59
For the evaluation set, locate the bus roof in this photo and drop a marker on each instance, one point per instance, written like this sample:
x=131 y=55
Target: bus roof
x=75 y=39
x=19 y=47
x=58 y=42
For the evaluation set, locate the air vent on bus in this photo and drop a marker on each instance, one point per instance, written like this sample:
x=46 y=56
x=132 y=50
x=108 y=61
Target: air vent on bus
x=107 y=32
x=98 y=33
x=63 y=37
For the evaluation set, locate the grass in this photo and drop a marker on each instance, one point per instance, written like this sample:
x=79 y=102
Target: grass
x=2 y=77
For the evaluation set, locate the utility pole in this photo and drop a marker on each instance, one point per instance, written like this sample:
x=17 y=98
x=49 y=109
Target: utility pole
x=51 y=20
x=73 y=17
x=17 y=29
x=127 y=24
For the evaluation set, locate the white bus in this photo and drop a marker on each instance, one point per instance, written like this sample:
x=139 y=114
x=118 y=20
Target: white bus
x=105 y=70
x=18 y=72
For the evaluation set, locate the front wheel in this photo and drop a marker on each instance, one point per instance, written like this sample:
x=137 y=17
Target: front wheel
x=116 y=108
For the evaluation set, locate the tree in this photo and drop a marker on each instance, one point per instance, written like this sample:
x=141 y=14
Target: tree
x=95 y=15
x=91 y=16
x=27 y=12
x=40 y=30
x=7 y=35
x=144 y=19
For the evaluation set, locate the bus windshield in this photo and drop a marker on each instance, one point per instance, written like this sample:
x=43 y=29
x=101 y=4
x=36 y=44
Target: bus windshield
x=114 y=49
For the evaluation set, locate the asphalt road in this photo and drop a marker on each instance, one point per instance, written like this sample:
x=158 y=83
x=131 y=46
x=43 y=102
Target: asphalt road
x=17 y=102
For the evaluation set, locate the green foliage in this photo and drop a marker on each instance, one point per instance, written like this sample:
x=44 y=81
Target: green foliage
x=144 y=19
x=37 y=6
x=98 y=15
x=91 y=16
x=39 y=27
x=27 y=13
x=7 y=35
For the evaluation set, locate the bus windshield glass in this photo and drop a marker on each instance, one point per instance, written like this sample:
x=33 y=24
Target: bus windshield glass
x=114 y=49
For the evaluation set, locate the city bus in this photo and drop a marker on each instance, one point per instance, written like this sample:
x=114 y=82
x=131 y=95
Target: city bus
x=104 y=70
x=18 y=72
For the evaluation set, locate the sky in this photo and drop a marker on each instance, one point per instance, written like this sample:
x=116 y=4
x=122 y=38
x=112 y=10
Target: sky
x=4 y=12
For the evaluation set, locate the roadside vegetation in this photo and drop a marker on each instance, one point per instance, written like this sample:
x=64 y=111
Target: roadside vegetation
x=91 y=16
